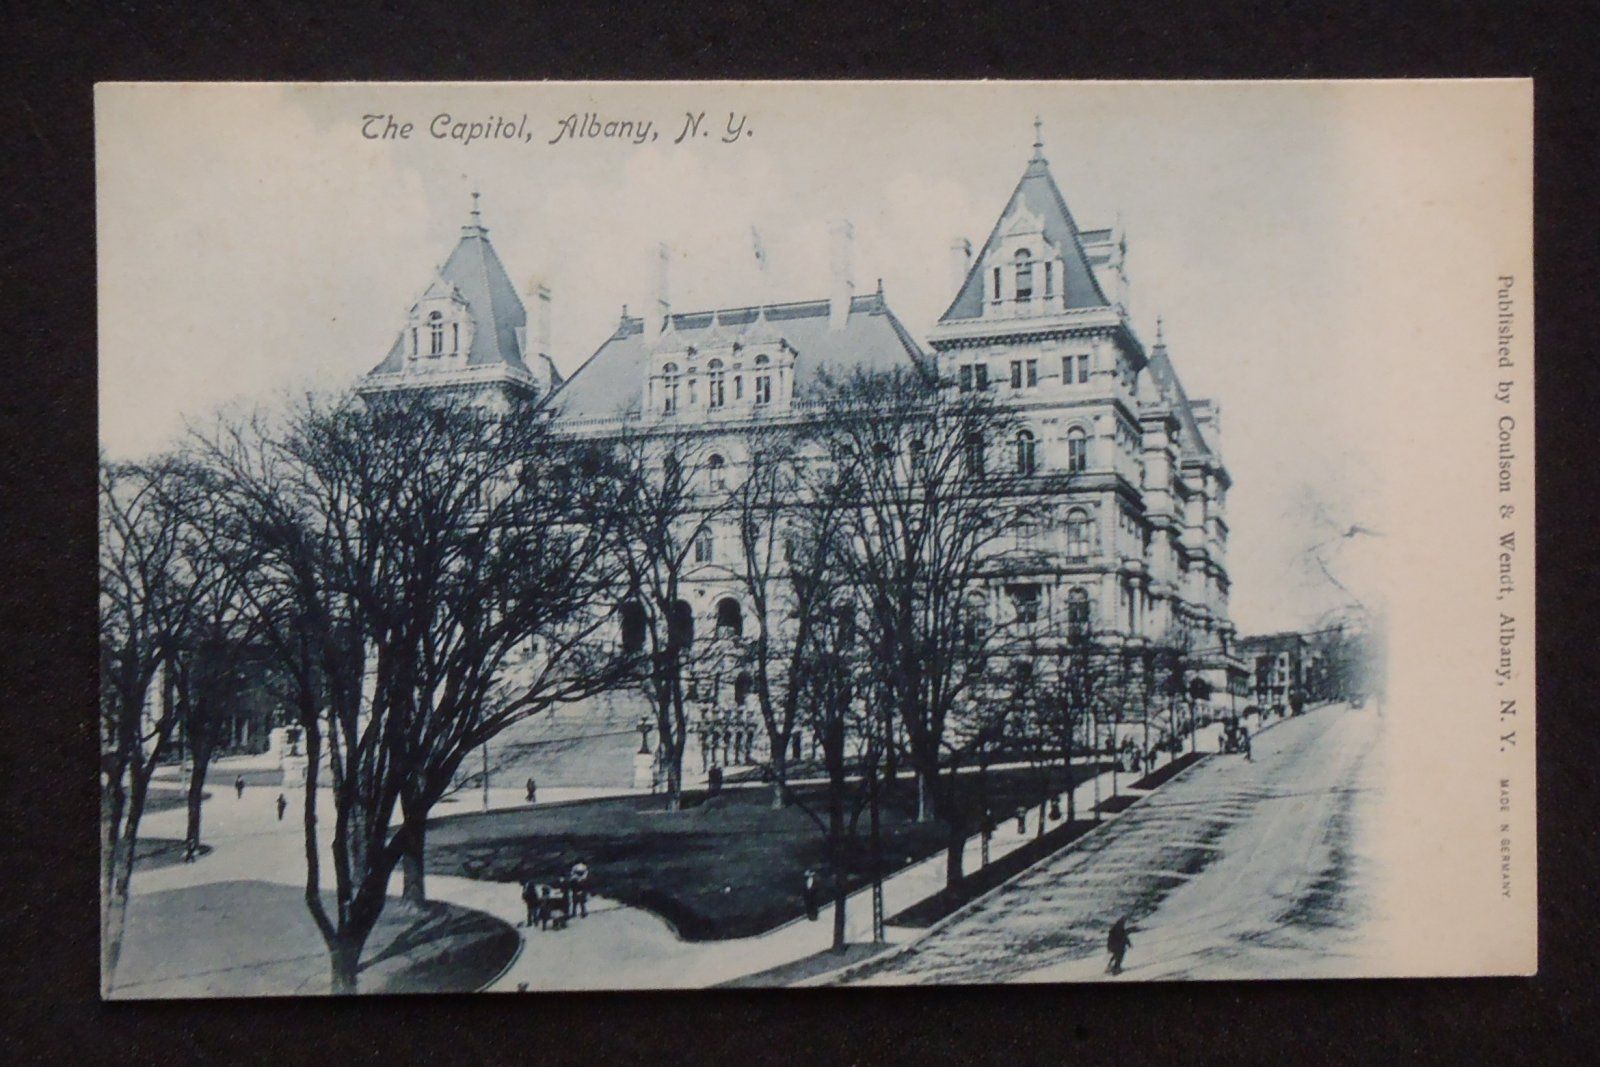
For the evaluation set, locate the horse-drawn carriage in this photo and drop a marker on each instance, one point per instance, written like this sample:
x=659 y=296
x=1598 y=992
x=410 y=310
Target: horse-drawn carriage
x=551 y=905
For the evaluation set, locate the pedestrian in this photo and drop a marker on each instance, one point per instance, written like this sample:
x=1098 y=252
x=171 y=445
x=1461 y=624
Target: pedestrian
x=1244 y=743
x=578 y=880
x=808 y=890
x=533 y=790
x=1022 y=820
x=531 y=900
x=1117 y=943
x=283 y=805
x=1055 y=808
x=238 y=787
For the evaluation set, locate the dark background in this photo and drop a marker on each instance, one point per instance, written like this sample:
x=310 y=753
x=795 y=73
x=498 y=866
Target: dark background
x=52 y=55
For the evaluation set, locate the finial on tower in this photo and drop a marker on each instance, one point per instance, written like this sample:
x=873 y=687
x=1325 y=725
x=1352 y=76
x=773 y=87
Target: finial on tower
x=477 y=219
x=1038 y=137
x=1159 y=339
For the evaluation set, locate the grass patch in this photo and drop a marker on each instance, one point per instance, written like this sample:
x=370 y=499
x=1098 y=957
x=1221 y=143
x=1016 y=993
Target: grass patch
x=930 y=910
x=1120 y=802
x=1164 y=774
x=725 y=867
x=158 y=799
x=245 y=939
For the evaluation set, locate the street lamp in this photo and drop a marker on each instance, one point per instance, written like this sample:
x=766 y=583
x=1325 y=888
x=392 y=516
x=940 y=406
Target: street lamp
x=644 y=727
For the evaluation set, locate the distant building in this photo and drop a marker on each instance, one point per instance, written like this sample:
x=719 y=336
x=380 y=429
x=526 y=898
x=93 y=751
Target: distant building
x=1279 y=662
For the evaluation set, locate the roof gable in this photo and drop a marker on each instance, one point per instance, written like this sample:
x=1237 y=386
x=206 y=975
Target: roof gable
x=1035 y=202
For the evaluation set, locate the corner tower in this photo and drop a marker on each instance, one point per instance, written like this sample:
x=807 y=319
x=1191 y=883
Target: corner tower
x=468 y=331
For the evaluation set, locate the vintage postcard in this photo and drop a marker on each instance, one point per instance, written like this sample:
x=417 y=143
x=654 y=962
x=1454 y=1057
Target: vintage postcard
x=620 y=536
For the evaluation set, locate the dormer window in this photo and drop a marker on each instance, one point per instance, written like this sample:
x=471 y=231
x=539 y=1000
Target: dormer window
x=1049 y=280
x=1024 y=268
x=436 y=333
x=763 y=380
x=716 y=389
x=669 y=389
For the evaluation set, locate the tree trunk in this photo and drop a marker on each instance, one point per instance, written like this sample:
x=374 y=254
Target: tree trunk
x=413 y=870
x=839 y=896
x=926 y=788
x=197 y=784
x=346 y=959
x=953 y=873
x=780 y=775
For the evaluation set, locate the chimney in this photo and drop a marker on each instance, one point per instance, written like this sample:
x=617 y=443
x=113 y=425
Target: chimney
x=960 y=262
x=663 y=306
x=541 y=311
x=841 y=235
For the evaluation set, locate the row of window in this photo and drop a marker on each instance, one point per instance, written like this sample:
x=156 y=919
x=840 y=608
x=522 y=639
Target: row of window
x=436 y=336
x=974 y=377
x=1025 y=448
x=716 y=385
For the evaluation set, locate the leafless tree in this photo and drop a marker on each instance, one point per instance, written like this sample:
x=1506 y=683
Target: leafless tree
x=925 y=514
x=151 y=579
x=667 y=505
x=427 y=573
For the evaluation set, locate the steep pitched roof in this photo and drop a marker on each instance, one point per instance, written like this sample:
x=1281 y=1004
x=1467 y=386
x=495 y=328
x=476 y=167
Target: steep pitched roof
x=1166 y=377
x=611 y=382
x=1037 y=194
x=497 y=312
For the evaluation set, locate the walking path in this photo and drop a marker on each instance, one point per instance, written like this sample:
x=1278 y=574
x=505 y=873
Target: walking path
x=617 y=946
x=1237 y=869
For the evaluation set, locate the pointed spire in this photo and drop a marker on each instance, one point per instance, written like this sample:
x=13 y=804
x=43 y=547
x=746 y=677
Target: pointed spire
x=1161 y=341
x=1038 y=138
x=474 y=226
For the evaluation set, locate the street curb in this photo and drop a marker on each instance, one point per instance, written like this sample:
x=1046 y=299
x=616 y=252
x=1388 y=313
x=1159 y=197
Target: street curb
x=902 y=949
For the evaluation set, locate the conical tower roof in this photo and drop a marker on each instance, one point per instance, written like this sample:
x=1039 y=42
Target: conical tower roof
x=1037 y=195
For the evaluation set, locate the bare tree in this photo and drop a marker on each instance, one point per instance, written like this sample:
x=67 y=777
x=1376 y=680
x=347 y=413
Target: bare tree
x=925 y=514
x=150 y=581
x=426 y=574
x=666 y=507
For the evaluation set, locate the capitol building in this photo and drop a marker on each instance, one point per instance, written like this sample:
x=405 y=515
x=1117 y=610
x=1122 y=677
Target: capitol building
x=1121 y=467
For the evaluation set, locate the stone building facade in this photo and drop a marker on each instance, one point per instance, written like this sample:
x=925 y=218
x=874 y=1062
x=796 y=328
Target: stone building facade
x=1123 y=466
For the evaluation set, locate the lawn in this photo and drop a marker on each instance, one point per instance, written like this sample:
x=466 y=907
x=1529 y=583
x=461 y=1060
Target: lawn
x=726 y=866
x=247 y=939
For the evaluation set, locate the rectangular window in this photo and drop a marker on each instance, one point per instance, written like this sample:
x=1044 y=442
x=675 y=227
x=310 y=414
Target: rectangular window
x=1016 y=374
x=1066 y=370
x=1032 y=375
x=1025 y=600
x=966 y=377
x=1049 y=280
x=982 y=372
x=1083 y=369
x=996 y=296
x=763 y=389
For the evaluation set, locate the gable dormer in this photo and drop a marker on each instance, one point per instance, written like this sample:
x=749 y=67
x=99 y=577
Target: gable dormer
x=706 y=367
x=438 y=332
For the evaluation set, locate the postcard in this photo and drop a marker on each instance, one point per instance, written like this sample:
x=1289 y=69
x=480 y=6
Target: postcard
x=638 y=535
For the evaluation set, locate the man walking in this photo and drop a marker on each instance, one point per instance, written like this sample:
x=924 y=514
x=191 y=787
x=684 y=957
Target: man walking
x=283 y=805
x=533 y=790
x=238 y=787
x=1117 y=943
x=530 y=899
x=578 y=879
x=808 y=890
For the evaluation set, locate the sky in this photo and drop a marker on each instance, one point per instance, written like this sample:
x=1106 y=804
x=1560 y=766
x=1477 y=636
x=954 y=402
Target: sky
x=252 y=241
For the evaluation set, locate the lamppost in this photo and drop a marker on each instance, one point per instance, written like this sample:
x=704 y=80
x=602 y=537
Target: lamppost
x=644 y=727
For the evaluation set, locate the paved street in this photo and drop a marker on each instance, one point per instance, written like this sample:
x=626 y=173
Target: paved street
x=1235 y=869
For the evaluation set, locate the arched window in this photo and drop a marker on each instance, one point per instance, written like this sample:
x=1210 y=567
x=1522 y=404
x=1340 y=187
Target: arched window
x=1078 y=611
x=704 y=547
x=680 y=624
x=436 y=333
x=716 y=391
x=1077 y=450
x=1026 y=452
x=669 y=389
x=631 y=617
x=763 y=380
x=1078 y=534
x=716 y=472
x=974 y=455
x=730 y=620
x=1024 y=264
